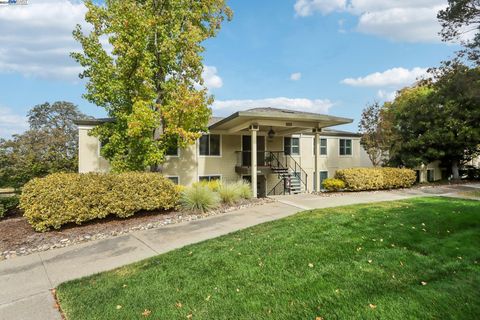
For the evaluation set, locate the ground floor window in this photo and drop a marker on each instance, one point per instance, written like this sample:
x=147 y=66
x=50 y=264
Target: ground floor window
x=209 y=178
x=175 y=180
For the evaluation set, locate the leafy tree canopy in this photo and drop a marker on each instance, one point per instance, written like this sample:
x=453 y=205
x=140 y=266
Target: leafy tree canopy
x=376 y=130
x=143 y=62
x=49 y=145
x=438 y=120
x=460 y=20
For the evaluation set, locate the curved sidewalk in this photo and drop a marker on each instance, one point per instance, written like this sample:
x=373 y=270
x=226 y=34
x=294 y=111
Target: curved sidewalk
x=26 y=282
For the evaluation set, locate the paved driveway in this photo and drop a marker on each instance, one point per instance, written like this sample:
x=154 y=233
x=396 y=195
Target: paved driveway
x=25 y=282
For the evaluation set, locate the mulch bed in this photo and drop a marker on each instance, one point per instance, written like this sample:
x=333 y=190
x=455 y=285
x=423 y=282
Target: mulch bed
x=18 y=238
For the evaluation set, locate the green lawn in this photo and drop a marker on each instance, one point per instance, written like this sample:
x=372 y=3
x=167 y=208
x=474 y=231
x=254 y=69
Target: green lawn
x=413 y=259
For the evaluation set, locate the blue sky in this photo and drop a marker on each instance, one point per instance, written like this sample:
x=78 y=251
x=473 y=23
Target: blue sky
x=327 y=56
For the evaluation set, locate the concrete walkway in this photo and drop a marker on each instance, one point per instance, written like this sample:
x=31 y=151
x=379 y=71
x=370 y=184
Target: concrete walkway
x=26 y=282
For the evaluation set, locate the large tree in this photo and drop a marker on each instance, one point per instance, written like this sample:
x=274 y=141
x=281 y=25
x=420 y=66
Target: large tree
x=375 y=127
x=439 y=120
x=461 y=22
x=49 y=145
x=143 y=62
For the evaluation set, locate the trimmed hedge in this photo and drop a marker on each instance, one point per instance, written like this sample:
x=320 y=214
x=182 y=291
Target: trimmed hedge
x=358 y=179
x=63 y=198
x=331 y=184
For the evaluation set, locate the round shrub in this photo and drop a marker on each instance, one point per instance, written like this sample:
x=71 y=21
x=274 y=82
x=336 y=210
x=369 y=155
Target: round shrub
x=359 y=179
x=63 y=198
x=199 y=197
x=332 y=184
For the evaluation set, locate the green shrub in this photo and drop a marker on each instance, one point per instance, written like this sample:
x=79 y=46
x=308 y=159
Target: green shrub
x=7 y=204
x=332 y=184
x=229 y=193
x=199 y=197
x=64 y=198
x=358 y=179
x=244 y=189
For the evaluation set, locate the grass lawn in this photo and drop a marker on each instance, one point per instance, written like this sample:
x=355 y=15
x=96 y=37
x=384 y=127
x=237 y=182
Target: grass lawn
x=415 y=259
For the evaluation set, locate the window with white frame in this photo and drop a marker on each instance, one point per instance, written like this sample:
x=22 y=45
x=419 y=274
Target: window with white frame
x=209 y=178
x=345 y=147
x=323 y=146
x=291 y=146
x=210 y=145
x=174 y=179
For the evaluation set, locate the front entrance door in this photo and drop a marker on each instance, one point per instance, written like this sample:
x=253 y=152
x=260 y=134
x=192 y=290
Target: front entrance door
x=261 y=185
x=247 y=148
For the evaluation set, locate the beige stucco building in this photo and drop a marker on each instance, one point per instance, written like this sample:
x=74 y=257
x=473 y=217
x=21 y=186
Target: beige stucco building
x=286 y=159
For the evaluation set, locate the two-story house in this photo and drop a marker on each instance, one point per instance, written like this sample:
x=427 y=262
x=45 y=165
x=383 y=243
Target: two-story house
x=287 y=151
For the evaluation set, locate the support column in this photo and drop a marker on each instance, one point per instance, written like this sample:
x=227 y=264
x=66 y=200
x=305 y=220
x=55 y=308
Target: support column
x=253 y=167
x=317 y=158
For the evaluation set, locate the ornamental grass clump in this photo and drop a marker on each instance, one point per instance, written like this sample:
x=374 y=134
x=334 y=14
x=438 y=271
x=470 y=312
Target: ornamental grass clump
x=244 y=189
x=200 y=198
x=229 y=193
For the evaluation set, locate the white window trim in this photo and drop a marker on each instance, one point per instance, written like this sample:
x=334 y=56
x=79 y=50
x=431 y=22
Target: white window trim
x=221 y=147
x=299 y=146
x=345 y=155
x=178 y=178
x=210 y=175
x=320 y=148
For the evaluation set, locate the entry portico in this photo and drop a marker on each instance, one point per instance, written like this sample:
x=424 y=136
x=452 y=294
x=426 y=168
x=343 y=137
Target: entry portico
x=276 y=122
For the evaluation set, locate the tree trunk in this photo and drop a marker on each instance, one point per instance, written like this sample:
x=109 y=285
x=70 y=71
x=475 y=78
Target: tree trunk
x=455 y=173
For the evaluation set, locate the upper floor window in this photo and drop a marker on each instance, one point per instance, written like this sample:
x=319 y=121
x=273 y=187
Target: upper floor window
x=345 y=147
x=210 y=145
x=323 y=146
x=172 y=150
x=291 y=146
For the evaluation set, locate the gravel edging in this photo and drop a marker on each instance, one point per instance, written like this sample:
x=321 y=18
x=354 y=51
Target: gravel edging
x=177 y=217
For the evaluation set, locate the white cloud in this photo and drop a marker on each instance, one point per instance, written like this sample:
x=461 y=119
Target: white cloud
x=211 y=78
x=226 y=107
x=398 y=20
x=11 y=123
x=295 y=76
x=305 y=8
x=396 y=77
x=37 y=38
x=386 y=95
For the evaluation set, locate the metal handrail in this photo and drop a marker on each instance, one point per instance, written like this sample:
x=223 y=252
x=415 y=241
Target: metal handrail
x=280 y=160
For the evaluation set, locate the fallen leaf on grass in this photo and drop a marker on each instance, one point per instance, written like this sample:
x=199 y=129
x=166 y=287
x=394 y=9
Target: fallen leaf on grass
x=146 y=313
x=318 y=318
x=178 y=305
x=208 y=298
x=372 y=306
